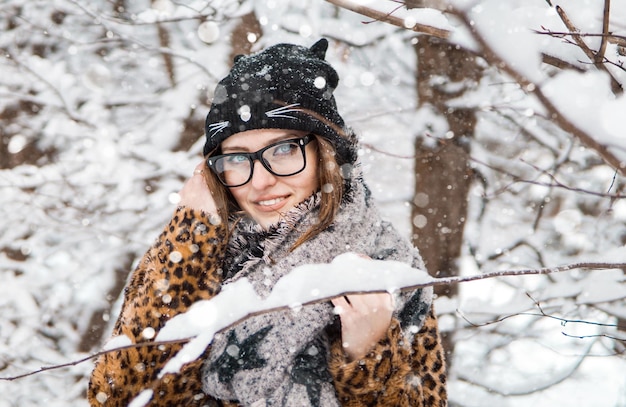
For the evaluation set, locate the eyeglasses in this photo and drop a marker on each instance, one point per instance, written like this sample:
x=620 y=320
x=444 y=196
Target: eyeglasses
x=283 y=158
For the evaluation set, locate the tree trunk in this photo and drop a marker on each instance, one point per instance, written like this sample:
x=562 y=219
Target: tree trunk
x=248 y=28
x=443 y=173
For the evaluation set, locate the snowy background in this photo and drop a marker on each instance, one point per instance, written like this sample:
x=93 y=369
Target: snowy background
x=101 y=116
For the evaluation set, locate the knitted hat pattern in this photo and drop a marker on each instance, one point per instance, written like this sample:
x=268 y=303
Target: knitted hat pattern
x=285 y=86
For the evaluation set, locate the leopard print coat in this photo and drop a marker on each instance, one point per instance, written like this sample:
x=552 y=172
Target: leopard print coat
x=184 y=266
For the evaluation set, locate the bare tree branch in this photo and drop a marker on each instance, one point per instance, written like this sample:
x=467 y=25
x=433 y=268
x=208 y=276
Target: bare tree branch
x=615 y=338
x=574 y=33
x=93 y=356
x=542 y=313
x=516 y=179
x=605 y=31
x=388 y=18
x=610 y=37
x=596 y=57
x=559 y=63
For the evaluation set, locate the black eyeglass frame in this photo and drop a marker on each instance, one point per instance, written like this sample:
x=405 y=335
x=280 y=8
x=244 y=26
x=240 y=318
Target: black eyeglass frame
x=258 y=155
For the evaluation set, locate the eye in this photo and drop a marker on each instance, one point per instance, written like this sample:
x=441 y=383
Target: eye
x=285 y=149
x=235 y=159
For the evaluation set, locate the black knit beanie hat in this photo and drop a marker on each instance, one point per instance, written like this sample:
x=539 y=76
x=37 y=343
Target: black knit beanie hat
x=285 y=86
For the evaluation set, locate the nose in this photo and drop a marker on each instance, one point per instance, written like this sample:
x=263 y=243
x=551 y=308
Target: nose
x=261 y=177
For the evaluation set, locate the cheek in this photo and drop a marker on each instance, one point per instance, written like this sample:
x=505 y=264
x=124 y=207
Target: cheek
x=315 y=185
x=312 y=181
x=239 y=194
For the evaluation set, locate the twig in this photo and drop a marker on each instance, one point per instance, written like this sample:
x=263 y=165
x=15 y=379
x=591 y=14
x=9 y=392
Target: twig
x=378 y=150
x=388 y=14
x=595 y=57
x=605 y=30
x=557 y=183
x=542 y=313
x=554 y=184
x=95 y=355
x=574 y=33
x=565 y=321
x=559 y=63
x=615 y=338
x=612 y=38
x=387 y=18
x=558 y=378
x=612 y=182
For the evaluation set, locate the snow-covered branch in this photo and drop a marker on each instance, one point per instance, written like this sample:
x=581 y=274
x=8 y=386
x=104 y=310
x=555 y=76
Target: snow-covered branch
x=347 y=274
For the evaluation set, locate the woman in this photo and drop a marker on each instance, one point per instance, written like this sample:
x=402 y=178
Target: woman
x=280 y=188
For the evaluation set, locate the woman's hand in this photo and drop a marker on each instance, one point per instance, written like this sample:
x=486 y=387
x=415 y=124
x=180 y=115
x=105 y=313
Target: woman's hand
x=195 y=194
x=365 y=319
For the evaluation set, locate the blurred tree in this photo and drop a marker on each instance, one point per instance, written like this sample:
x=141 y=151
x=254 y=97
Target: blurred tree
x=442 y=168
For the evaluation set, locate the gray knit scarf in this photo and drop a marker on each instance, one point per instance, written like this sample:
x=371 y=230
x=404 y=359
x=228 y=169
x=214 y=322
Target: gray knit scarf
x=281 y=358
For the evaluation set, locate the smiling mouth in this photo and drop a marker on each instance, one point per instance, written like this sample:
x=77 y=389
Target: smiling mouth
x=271 y=202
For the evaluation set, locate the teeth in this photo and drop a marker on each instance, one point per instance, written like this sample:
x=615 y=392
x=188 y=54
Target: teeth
x=271 y=202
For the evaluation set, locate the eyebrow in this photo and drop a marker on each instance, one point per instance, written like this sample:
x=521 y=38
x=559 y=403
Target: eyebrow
x=246 y=149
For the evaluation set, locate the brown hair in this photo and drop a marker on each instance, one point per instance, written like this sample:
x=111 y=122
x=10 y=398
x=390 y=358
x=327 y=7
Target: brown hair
x=330 y=180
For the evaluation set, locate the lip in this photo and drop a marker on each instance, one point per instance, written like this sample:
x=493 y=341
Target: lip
x=271 y=204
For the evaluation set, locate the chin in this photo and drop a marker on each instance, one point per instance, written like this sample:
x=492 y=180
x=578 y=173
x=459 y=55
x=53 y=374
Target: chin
x=267 y=221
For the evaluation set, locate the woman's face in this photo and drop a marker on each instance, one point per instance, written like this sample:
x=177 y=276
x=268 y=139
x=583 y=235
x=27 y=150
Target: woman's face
x=266 y=197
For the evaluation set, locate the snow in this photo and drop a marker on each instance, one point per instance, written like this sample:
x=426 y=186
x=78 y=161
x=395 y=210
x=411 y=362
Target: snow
x=117 y=342
x=576 y=95
x=501 y=24
x=142 y=399
x=93 y=91
x=347 y=273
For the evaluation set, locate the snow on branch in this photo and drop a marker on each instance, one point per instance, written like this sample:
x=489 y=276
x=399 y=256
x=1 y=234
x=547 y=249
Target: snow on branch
x=346 y=274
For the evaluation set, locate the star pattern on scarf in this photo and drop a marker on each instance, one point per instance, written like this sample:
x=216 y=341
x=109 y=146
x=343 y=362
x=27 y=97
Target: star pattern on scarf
x=414 y=311
x=239 y=355
x=311 y=370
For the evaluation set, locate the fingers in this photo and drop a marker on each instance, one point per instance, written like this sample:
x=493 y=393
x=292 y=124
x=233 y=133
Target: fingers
x=361 y=305
x=370 y=302
x=364 y=301
x=365 y=318
x=199 y=170
x=196 y=194
x=341 y=304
